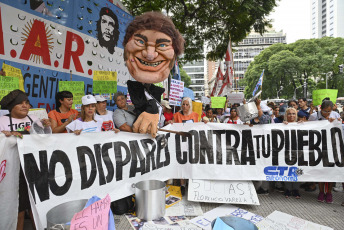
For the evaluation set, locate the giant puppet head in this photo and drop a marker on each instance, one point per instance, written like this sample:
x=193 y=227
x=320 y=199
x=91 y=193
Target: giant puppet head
x=151 y=45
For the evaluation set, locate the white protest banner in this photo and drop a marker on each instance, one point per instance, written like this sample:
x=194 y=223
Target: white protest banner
x=61 y=168
x=225 y=210
x=205 y=100
x=284 y=221
x=235 y=97
x=222 y=191
x=9 y=182
x=176 y=92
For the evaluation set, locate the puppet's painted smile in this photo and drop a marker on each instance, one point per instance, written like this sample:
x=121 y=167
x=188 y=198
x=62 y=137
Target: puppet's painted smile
x=154 y=64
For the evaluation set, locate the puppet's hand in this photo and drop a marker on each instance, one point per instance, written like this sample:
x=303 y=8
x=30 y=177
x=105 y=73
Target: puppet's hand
x=147 y=123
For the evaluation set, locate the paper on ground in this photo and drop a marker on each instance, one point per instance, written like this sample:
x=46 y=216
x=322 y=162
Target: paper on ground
x=283 y=221
x=205 y=220
x=185 y=208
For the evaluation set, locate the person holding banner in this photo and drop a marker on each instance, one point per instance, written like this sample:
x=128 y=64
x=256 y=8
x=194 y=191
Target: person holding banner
x=326 y=113
x=63 y=115
x=124 y=115
x=186 y=115
x=233 y=117
x=16 y=123
x=103 y=113
x=87 y=122
x=210 y=117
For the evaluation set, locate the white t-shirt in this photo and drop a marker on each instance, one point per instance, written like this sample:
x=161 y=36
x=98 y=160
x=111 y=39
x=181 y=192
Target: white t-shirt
x=107 y=120
x=318 y=116
x=17 y=124
x=229 y=121
x=86 y=127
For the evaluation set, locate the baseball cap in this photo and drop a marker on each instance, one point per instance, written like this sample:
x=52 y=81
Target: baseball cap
x=99 y=98
x=166 y=104
x=88 y=99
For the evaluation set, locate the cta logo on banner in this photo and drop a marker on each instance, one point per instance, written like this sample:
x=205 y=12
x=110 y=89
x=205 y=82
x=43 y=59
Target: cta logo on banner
x=282 y=173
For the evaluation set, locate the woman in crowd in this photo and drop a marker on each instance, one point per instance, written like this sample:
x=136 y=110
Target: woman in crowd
x=103 y=113
x=124 y=115
x=87 y=122
x=291 y=188
x=168 y=114
x=16 y=123
x=326 y=113
x=233 y=117
x=293 y=103
x=210 y=117
x=186 y=115
x=63 y=114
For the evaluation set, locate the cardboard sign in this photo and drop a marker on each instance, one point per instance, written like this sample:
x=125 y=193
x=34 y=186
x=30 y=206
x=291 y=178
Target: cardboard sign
x=40 y=113
x=222 y=191
x=77 y=88
x=104 y=76
x=236 y=97
x=176 y=92
x=95 y=216
x=218 y=102
x=320 y=94
x=206 y=100
x=14 y=72
x=100 y=87
x=8 y=84
x=197 y=108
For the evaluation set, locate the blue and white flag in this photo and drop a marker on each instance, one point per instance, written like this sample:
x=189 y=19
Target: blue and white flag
x=260 y=82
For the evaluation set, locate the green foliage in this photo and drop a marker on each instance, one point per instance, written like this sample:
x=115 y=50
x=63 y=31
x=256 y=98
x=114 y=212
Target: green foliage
x=291 y=65
x=185 y=77
x=209 y=21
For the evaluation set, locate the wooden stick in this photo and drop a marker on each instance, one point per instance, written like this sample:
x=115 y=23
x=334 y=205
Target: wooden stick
x=186 y=134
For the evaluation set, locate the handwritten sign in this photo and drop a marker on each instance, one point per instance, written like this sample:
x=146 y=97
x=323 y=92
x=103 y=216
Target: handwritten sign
x=235 y=97
x=14 y=72
x=205 y=220
x=95 y=216
x=218 y=102
x=77 y=88
x=104 y=87
x=104 y=75
x=280 y=220
x=222 y=191
x=40 y=113
x=320 y=94
x=7 y=84
x=197 y=108
x=205 y=100
x=176 y=92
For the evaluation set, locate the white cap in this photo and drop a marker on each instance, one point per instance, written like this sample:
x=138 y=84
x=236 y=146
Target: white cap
x=88 y=99
x=99 y=98
x=166 y=104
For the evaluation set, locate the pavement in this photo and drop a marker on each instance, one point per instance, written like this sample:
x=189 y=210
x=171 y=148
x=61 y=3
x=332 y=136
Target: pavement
x=308 y=208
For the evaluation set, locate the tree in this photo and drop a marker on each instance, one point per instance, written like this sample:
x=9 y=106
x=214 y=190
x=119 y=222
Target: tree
x=185 y=77
x=294 y=64
x=209 y=22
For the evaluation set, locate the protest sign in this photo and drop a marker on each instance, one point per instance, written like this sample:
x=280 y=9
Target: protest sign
x=197 y=108
x=95 y=216
x=219 y=191
x=218 y=102
x=14 y=72
x=104 y=82
x=205 y=220
x=235 y=97
x=206 y=100
x=104 y=76
x=280 y=220
x=40 y=113
x=66 y=167
x=8 y=84
x=176 y=92
x=320 y=94
x=184 y=208
x=77 y=88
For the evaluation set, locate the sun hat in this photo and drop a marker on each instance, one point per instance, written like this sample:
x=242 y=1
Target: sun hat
x=166 y=104
x=88 y=99
x=99 y=98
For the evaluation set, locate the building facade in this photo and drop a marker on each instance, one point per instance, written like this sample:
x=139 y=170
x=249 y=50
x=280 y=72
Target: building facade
x=197 y=72
x=327 y=18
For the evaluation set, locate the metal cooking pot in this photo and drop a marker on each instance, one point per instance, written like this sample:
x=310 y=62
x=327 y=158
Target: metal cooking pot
x=150 y=199
x=247 y=111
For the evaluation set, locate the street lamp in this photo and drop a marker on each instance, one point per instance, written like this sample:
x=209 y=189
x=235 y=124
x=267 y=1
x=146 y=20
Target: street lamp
x=281 y=88
x=295 y=91
x=329 y=73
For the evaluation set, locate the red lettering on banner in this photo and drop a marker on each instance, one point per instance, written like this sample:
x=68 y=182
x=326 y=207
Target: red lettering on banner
x=2 y=49
x=40 y=104
x=36 y=43
x=74 y=54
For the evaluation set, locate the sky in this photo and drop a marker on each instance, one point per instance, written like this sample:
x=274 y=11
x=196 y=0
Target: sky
x=293 y=17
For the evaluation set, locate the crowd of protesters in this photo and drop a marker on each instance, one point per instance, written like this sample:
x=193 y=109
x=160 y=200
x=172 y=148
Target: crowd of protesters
x=94 y=117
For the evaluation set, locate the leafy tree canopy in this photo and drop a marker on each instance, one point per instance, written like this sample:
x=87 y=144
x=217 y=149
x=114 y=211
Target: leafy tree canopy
x=185 y=77
x=209 y=21
x=289 y=66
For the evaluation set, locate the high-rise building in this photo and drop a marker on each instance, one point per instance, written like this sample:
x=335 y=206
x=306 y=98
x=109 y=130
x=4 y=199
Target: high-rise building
x=196 y=71
x=245 y=51
x=327 y=18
